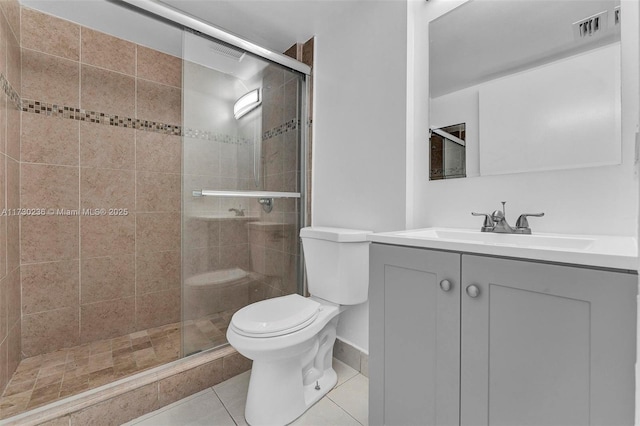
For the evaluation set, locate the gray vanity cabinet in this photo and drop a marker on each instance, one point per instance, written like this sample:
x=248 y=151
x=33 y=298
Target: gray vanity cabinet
x=414 y=336
x=537 y=343
x=546 y=344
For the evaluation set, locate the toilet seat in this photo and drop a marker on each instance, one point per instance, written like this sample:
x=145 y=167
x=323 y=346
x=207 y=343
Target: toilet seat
x=275 y=317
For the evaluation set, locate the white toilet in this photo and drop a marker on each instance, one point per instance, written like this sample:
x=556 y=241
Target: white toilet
x=290 y=338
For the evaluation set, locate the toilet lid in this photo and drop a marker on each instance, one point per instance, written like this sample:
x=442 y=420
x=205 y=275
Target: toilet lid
x=274 y=317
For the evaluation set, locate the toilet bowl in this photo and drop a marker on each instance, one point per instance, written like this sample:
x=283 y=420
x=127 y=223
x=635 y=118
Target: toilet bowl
x=290 y=338
x=291 y=356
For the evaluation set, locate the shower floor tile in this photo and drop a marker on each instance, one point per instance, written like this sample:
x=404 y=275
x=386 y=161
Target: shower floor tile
x=45 y=378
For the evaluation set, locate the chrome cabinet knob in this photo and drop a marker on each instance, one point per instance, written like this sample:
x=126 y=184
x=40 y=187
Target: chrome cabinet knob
x=473 y=291
x=445 y=285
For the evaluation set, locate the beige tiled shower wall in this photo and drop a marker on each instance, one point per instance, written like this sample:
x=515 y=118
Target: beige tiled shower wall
x=10 y=67
x=91 y=277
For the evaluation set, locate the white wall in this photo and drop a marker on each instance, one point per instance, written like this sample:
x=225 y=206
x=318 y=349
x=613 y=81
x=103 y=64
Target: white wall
x=598 y=200
x=359 y=129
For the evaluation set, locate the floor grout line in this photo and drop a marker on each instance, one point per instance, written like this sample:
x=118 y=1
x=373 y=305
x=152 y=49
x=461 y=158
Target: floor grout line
x=224 y=405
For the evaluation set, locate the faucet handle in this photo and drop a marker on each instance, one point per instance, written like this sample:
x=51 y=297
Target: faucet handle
x=522 y=224
x=488 y=224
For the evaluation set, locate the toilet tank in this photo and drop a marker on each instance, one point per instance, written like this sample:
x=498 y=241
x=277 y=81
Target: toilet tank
x=337 y=264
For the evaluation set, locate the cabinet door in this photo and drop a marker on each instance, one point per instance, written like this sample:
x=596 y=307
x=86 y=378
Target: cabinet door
x=546 y=344
x=414 y=357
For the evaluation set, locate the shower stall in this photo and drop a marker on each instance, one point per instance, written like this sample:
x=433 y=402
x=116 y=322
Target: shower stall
x=171 y=187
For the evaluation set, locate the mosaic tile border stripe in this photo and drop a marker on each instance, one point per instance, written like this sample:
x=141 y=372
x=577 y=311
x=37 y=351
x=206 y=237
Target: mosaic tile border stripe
x=235 y=140
x=10 y=91
x=281 y=129
x=216 y=137
x=72 y=113
x=63 y=111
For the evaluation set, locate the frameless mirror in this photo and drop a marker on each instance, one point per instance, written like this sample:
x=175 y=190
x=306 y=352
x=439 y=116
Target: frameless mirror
x=537 y=83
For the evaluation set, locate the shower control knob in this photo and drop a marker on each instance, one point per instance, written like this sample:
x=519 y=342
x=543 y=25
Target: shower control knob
x=473 y=291
x=445 y=285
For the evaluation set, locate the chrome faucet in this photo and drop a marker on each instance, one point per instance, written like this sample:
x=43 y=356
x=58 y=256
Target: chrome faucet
x=239 y=211
x=497 y=222
x=500 y=220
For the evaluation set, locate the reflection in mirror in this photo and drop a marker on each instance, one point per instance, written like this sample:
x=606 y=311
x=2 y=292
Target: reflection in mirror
x=447 y=152
x=544 y=98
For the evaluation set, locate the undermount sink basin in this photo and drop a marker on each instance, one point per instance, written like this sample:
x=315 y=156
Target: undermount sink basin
x=590 y=250
x=513 y=240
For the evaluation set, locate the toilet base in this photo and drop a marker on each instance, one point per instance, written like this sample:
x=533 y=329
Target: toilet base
x=286 y=369
x=286 y=398
x=325 y=383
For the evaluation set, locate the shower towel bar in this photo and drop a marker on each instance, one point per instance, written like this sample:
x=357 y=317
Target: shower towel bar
x=250 y=194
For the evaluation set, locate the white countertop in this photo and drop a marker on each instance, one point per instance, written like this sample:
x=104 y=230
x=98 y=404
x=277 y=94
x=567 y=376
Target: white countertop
x=590 y=250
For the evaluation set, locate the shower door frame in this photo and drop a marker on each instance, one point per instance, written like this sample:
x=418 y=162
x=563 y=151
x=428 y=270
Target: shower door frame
x=185 y=20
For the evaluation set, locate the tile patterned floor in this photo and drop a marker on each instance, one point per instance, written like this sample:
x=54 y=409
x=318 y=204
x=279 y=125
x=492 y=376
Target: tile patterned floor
x=48 y=377
x=223 y=404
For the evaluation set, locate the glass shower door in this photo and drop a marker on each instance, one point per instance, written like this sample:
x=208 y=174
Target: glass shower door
x=241 y=185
